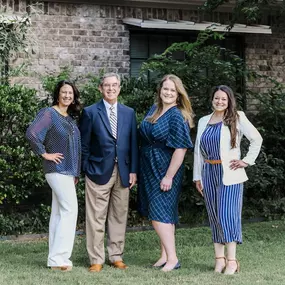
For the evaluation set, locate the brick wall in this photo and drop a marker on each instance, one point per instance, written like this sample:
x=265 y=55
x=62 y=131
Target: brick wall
x=266 y=55
x=90 y=38
x=86 y=37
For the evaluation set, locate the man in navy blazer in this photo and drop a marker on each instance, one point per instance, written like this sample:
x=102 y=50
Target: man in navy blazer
x=110 y=163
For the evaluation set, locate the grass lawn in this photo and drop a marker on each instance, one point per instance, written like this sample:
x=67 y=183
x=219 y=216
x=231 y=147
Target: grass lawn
x=262 y=258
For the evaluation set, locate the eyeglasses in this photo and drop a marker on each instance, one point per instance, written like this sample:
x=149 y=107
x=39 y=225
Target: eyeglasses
x=114 y=85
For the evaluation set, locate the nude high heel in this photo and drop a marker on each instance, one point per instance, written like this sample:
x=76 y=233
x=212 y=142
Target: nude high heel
x=221 y=269
x=231 y=271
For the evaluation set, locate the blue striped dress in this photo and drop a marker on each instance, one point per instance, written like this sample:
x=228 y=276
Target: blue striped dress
x=223 y=203
x=158 y=142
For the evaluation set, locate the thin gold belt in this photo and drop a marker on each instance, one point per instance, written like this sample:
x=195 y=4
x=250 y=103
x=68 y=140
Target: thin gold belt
x=213 y=161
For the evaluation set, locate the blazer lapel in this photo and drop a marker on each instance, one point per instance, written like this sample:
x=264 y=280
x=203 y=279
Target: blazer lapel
x=104 y=116
x=204 y=125
x=120 y=119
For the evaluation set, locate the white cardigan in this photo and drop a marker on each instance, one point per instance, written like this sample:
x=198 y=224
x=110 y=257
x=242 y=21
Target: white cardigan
x=244 y=127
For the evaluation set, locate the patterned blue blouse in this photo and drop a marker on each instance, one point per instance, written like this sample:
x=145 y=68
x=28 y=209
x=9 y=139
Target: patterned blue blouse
x=50 y=132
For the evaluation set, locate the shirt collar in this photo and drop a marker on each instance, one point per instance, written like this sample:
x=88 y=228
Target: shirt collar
x=108 y=105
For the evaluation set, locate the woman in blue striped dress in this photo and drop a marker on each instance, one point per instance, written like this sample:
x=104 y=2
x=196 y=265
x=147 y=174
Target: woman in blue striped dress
x=219 y=172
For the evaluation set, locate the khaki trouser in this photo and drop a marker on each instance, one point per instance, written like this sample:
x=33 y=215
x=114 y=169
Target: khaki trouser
x=109 y=201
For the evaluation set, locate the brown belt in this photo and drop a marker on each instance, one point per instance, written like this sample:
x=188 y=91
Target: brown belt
x=213 y=161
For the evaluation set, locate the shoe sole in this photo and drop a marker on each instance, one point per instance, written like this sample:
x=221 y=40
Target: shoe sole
x=62 y=268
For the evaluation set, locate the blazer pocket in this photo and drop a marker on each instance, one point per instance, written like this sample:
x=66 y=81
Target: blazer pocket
x=96 y=159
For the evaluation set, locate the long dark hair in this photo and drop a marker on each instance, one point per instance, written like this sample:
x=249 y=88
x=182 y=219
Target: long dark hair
x=231 y=115
x=74 y=108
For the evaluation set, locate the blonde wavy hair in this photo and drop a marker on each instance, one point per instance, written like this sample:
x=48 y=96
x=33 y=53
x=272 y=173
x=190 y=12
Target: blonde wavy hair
x=183 y=101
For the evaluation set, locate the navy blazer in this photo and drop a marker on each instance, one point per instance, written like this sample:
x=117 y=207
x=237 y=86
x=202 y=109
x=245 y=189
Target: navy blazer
x=100 y=148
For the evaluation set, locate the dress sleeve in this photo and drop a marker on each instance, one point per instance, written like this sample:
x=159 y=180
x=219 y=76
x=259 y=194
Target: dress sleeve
x=150 y=111
x=179 y=133
x=36 y=132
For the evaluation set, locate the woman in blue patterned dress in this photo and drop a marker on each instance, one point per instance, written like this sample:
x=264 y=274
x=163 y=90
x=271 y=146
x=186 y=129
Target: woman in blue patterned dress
x=219 y=172
x=54 y=135
x=165 y=138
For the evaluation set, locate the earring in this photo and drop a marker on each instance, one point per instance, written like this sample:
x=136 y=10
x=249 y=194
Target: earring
x=73 y=102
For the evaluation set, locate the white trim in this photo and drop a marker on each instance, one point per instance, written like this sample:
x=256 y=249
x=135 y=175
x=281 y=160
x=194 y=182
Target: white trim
x=10 y=18
x=187 y=25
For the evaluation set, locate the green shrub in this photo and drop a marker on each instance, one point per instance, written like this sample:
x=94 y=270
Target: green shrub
x=34 y=221
x=138 y=94
x=271 y=118
x=20 y=170
x=265 y=190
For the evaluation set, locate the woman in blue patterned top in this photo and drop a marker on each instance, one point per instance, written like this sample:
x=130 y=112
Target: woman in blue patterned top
x=165 y=138
x=54 y=135
x=219 y=172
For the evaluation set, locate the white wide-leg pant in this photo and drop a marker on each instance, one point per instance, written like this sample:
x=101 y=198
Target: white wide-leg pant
x=63 y=219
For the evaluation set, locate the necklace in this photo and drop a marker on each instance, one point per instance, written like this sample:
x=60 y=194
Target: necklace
x=63 y=113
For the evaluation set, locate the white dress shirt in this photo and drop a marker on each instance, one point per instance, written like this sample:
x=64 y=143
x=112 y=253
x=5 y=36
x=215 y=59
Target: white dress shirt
x=108 y=105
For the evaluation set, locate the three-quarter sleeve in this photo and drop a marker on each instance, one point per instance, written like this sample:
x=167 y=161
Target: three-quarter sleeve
x=254 y=137
x=179 y=132
x=38 y=129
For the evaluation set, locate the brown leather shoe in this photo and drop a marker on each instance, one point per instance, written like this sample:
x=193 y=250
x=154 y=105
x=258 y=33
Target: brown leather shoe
x=95 y=268
x=62 y=268
x=119 y=264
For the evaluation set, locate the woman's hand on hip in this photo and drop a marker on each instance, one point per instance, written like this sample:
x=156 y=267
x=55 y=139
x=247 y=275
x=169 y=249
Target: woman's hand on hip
x=199 y=187
x=55 y=157
x=166 y=183
x=235 y=164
